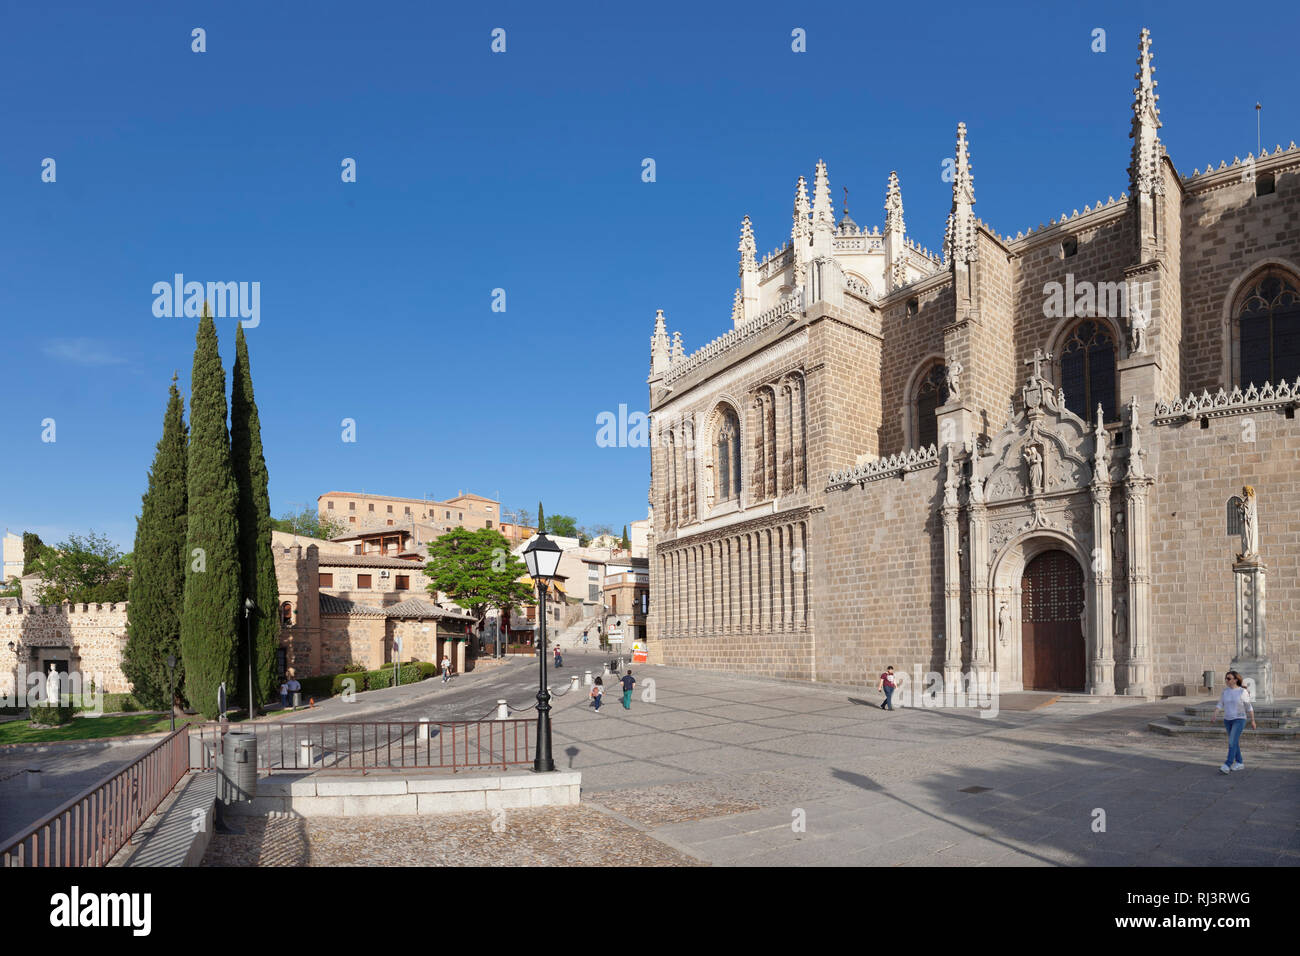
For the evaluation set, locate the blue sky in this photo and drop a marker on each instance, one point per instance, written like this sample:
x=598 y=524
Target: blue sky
x=519 y=171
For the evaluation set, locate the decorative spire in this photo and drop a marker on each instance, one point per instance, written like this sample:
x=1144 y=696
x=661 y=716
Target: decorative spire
x=659 y=345
x=800 y=230
x=737 y=309
x=894 y=206
x=747 y=248
x=822 y=213
x=1144 y=168
x=895 y=236
x=959 y=238
x=679 y=353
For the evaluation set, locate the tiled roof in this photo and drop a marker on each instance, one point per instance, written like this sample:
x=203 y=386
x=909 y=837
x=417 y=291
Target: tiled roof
x=412 y=608
x=368 y=561
x=329 y=604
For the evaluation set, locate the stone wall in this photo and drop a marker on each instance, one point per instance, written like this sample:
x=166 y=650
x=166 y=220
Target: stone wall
x=91 y=637
x=1194 y=624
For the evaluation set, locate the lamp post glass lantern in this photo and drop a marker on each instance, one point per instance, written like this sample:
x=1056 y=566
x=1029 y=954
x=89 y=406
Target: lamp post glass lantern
x=543 y=559
x=248 y=629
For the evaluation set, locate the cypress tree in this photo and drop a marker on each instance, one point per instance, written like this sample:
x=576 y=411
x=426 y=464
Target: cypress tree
x=157 y=588
x=256 y=561
x=541 y=519
x=625 y=544
x=33 y=548
x=211 y=618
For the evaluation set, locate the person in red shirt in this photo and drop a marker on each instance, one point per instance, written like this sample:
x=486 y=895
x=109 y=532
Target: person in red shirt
x=887 y=683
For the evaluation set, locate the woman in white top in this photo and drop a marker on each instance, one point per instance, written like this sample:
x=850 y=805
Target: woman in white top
x=1235 y=704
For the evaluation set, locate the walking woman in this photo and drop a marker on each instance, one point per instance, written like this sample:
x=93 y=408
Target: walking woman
x=1235 y=704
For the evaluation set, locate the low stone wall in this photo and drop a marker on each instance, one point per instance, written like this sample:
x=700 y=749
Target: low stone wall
x=332 y=795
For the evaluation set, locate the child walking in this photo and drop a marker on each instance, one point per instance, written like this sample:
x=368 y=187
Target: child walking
x=1235 y=704
x=597 y=691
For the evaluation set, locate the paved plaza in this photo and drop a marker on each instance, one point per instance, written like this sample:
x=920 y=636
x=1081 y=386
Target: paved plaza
x=739 y=771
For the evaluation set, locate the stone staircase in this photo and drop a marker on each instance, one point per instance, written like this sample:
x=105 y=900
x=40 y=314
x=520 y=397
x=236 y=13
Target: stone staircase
x=1279 y=720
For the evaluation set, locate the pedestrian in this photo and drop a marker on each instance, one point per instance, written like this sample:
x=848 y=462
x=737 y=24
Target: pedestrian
x=558 y=659
x=887 y=683
x=284 y=693
x=628 y=681
x=446 y=668
x=294 y=688
x=1235 y=704
x=597 y=691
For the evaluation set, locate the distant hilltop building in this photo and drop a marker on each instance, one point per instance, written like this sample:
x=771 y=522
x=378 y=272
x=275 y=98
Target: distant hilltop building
x=1013 y=455
x=423 y=517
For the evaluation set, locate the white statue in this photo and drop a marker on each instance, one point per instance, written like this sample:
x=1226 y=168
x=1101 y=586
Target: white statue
x=1004 y=624
x=1034 y=460
x=1249 y=523
x=52 y=687
x=954 y=382
x=1119 y=543
x=1137 y=330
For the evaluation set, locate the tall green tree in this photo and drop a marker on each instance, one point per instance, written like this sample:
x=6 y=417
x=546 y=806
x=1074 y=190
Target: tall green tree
x=153 y=626
x=79 y=570
x=257 y=566
x=566 y=526
x=626 y=543
x=211 y=614
x=33 y=548
x=541 y=519
x=477 y=571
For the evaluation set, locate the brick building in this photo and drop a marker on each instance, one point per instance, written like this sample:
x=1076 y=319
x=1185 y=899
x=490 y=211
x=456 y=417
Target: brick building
x=1028 y=456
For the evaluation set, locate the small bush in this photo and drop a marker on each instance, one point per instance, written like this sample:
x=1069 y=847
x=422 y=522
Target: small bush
x=49 y=716
x=379 y=679
x=315 y=687
x=353 y=669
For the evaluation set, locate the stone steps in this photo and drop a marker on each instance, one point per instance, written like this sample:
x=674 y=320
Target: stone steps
x=1279 y=720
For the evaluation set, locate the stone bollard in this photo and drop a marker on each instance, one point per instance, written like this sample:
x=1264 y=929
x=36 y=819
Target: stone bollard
x=503 y=710
x=587 y=678
x=423 y=732
x=33 y=778
x=573 y=682
x=305 y=758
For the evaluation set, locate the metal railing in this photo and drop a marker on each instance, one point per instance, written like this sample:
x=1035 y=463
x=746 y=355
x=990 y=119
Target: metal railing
x=89 y=829
x=380 y=745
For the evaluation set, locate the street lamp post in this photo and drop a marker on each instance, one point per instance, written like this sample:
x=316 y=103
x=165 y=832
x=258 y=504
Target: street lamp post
x=248 y=629
x=171 y=687
x=543 y=558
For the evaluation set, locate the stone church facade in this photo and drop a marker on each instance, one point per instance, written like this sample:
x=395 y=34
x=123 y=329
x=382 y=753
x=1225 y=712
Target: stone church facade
x=1068 y=457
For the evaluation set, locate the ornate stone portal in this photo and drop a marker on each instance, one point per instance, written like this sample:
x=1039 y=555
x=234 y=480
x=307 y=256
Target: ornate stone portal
x=1044 y=483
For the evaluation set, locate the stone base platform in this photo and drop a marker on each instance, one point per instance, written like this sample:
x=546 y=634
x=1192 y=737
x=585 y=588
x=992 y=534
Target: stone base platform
x=325 y=794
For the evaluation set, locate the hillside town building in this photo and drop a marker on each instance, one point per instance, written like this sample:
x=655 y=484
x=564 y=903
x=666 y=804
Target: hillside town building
x=1066 y=457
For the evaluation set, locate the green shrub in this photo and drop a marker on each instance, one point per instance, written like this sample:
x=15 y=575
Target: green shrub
x=353 y=669
x=318 y=687
x=49 y=716
x=379 y=679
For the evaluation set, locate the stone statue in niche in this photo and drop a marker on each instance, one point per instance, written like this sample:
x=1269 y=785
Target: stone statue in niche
x=1004 y=624
x=1102 y=457
x=1137 y=329
x=953 y=479
x=954 y=382
x=1033 y=459
x=1119 y=543
x=1249 y=524
x=52 y=686
x=1120 y=614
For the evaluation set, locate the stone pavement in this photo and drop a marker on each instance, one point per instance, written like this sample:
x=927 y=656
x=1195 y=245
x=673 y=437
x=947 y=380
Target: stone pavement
x=725 y=767
x=746 y=771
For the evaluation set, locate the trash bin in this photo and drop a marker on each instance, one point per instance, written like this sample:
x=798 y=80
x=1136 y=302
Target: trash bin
x=238 y=767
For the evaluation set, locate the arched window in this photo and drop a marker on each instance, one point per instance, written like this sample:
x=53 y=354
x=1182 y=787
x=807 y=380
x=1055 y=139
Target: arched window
x=727 y=461
x=930 y=394
x=286 y=614
x=1268 y=330
x=1088 y=371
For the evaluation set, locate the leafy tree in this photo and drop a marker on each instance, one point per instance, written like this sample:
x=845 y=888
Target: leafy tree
x=257 y=566
x=33 y=548
x=626 y=543
x=309 y=524
x=477 y=571
x=153 y=624
x=14 y=589
x=210 y=618
x=566 y=526
x=541 y=519
x=82 y=570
